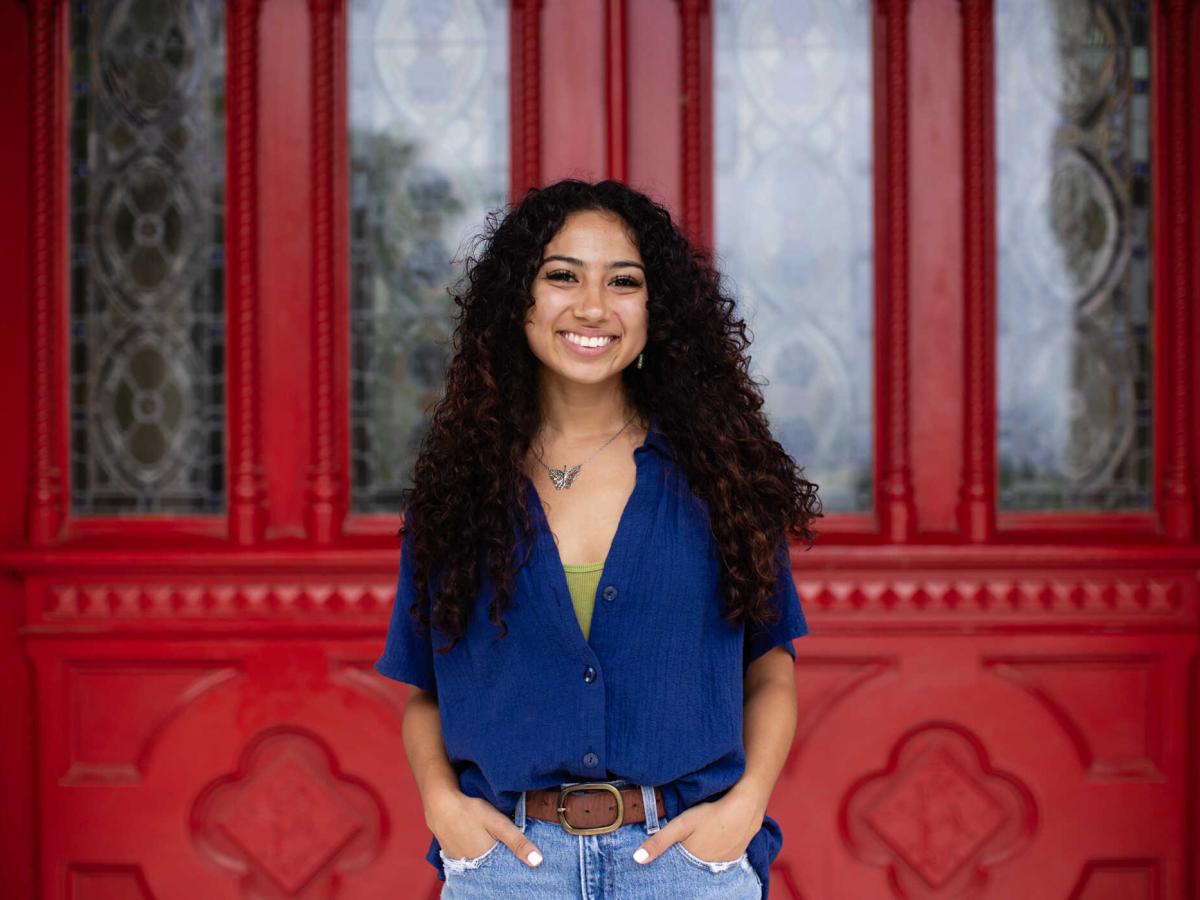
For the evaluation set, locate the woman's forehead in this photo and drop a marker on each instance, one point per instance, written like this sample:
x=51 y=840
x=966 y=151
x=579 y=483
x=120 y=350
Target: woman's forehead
x=593 y=235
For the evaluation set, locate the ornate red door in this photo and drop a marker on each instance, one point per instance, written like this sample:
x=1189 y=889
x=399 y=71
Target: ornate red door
x=962 y=235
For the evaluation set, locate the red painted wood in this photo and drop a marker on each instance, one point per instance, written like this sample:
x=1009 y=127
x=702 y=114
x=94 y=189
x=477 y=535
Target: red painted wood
x=696 y=99
x=325 y=490
x=935 y=279
x=616 y=78
x=574 y=120
x=1192 y=29
x=1176 y=491
x=655 y=78
x=977 y=492
x=990 y=706
x=284 y=251
x=525 y=93
x=895 y=515
x=245 y=492
x=19 y=487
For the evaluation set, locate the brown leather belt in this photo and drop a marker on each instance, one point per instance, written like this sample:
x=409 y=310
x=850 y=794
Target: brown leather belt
x=590 y=807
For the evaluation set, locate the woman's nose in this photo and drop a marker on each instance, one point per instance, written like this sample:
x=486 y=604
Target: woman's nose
x=594 y=300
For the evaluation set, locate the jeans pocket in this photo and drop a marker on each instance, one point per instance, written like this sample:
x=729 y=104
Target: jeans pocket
x=714 y=868
x=466 y=863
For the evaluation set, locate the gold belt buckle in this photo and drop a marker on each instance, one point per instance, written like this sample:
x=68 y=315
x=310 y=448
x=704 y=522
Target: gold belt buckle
x=591 y=786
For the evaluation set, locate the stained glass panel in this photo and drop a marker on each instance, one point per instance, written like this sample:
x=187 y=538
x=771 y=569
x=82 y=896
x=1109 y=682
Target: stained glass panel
x=794 y=223
x=1073 y=252
x=429 y=159
x=147 y=318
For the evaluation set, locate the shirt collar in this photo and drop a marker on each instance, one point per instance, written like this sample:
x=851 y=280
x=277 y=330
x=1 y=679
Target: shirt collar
x=656 y=439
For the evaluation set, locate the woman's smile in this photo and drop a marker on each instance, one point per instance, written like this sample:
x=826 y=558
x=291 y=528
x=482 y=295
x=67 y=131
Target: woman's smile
x=589 y=317
x=587 y=346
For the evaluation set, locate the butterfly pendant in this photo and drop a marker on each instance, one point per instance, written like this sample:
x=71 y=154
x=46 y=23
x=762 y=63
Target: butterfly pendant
x=563 y=478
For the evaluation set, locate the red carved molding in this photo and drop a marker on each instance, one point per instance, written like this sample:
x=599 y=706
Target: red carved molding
x=1129 y=879
x=289 y=818
x=976 y=504
x=326 y=491
x=247 y=492
x=119 y=709
x=696 y=177
x=616 y=81
x=525 y=96
x=186 y=600
x=924 y=600
x=891 y=274
x=100 y=880
x=1005 y=597
x=1109 y=707
x=1173 y=364
x=937 y=816
x=823 y=683
x=46 y=487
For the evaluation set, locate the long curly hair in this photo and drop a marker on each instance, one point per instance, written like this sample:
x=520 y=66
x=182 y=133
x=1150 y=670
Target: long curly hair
x=466 y=494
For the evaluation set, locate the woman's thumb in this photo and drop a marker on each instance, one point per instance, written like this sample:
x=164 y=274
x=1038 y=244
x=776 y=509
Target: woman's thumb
x=523 y=847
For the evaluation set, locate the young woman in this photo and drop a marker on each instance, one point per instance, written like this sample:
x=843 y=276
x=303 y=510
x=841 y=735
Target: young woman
x=595 y=602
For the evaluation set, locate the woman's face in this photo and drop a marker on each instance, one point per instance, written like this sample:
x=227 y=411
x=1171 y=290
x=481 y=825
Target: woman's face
x=588 y=320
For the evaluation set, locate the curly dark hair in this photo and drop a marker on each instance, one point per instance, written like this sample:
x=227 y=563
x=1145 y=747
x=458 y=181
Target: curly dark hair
x=466 y=494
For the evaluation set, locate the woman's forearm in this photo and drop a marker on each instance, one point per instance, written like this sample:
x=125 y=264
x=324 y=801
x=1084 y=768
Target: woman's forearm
x=422 y=732
x=768 y=723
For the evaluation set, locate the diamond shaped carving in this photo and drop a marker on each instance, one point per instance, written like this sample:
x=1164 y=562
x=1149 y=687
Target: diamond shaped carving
x=290 y=823
x=937 y=816
x=288 y=820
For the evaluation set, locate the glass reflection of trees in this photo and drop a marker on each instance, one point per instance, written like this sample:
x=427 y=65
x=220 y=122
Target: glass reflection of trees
x=1073 y=252
x=428 y=132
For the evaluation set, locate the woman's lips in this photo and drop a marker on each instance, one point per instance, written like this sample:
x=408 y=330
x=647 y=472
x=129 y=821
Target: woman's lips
x=586 y=351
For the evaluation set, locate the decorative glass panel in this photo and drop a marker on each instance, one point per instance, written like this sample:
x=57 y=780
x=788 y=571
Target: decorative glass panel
x=428 y=160
x=794 y=223
x=1073 y=254
x=147 y=332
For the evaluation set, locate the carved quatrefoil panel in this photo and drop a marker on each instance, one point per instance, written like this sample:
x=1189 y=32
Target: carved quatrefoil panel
x=288 y=820
x=938 y=815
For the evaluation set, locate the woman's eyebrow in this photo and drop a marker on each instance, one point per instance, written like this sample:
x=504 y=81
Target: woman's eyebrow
x=617 y=264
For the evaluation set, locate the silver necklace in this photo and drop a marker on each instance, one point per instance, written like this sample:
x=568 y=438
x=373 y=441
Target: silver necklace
x=563 y=478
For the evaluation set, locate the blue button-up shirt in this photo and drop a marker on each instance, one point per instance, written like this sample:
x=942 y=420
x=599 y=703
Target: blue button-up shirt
x=653 y=696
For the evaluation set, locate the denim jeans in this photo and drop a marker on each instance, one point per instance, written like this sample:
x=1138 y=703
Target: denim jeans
x=596 y=866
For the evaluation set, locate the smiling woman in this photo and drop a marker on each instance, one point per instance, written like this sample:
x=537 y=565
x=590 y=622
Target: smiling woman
x=623 y=729
x=589 y=301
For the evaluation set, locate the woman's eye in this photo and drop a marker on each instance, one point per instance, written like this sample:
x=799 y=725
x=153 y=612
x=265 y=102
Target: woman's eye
x=623 y=281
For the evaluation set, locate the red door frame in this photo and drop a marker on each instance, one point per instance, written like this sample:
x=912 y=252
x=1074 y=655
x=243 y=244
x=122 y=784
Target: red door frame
x=934 y=563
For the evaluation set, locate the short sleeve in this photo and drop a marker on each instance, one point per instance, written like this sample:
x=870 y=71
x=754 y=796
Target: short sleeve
x=761 y=638
x=408 y=653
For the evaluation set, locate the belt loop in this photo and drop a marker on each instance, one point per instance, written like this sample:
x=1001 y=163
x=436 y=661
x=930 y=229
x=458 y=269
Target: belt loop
x=519 y=815
x=650 y=806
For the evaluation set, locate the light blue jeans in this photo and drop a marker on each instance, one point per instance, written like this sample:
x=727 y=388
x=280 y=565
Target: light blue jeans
x=596 y=867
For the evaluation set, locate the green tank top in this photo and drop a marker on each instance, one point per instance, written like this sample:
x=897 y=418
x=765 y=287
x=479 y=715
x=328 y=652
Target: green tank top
x=582 y=580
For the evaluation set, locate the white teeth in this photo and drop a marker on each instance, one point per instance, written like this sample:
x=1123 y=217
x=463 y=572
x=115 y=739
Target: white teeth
x=587 y=341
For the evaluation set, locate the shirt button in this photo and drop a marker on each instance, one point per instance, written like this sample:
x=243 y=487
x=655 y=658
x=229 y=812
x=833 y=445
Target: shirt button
x=589 y=674
x=610 y=593
x=590 y=760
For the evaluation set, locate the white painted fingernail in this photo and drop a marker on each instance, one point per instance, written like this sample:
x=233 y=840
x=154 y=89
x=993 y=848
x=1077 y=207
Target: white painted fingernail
x=534 y=858
x=641 y=855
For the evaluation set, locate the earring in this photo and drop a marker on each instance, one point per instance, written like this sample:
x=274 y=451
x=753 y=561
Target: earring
x=640 y=355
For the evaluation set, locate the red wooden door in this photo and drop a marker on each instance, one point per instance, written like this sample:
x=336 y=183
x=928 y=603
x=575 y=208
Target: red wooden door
x=999 y=695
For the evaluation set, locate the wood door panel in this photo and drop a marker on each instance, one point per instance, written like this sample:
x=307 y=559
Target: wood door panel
x=994 y=766
x=224 y=769
x=983 y=713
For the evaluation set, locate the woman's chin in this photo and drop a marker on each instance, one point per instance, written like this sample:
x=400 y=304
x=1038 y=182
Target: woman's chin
x=582 y=372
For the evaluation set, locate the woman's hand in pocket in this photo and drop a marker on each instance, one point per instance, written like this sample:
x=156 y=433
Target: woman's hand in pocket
x=466 y=827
